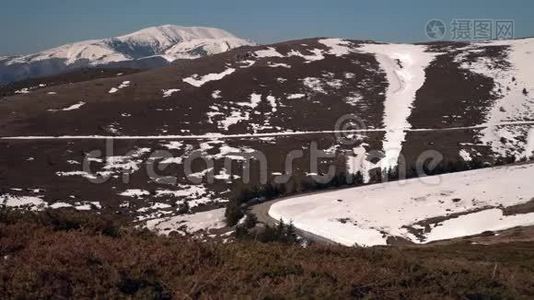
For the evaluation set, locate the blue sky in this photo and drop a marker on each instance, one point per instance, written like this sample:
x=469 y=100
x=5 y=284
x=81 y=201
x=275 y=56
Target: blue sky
x=31 y=25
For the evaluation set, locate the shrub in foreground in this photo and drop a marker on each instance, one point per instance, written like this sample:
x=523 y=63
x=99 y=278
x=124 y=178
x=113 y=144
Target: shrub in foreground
x=43 y=260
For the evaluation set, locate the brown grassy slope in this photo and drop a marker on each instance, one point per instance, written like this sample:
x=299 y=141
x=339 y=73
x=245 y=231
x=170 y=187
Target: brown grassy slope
x=64 y=78
x=79 y=257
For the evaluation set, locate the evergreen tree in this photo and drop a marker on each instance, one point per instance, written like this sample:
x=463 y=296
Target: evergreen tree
x=184 y=208
x=291 y=233
x=280 y=229
x=251 y=221
x=358 y=178
x=233 y=213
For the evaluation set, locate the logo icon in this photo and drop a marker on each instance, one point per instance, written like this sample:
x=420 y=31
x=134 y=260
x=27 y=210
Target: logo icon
x=505 y=29
x=435 y=29
x=347 y=128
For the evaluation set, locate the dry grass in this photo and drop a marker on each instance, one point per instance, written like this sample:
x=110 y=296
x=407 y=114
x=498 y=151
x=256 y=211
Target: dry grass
x=39 y=259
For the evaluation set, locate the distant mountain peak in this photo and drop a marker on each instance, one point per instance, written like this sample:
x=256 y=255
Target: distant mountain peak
x=155 y=46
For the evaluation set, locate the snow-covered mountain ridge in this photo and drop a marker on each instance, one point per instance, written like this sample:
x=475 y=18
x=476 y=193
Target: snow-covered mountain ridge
x=154 y=46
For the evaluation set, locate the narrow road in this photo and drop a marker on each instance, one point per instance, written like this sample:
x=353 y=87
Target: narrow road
x=255 y=135
x=261 y=211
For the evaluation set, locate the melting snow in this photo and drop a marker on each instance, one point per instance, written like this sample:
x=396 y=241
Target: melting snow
x=295 y=96
x=272 y=102
x=405 y=71
x=60 y=205
x=69 y=108
x=277 y=65
x=316 y=54
x=234 y=118
x=137 y=193
x=22 y=201
x=199 y=81
x=465 y=155
x=372 y=213
x=22 y=91
x=255 y=100
x=353 y=99
x=173 y=145
x=216 y=94
x=123 y=85
x=478 y=222
x=314 y=84
x=169 y=92
x=338 y=47
x=269 y=52
x=247 y=63
x=207 y=220
x=510 y=84
x=529 y=148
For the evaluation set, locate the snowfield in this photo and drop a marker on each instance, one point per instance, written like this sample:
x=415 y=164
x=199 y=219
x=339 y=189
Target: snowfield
x=467 y=203
x=207 y=220
x=514 y=87
x=32 y=202
x=405 y=71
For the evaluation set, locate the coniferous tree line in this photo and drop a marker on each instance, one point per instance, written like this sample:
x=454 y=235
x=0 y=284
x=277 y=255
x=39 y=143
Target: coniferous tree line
x=282 y=232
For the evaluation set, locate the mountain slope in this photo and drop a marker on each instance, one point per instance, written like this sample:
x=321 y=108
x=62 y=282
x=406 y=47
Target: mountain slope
x=154 y=46
x=470 y=103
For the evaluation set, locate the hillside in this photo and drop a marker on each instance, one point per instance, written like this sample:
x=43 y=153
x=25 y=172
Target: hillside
x=69 y=256
x=85 y=74
x=424 y=210
x=471 y=103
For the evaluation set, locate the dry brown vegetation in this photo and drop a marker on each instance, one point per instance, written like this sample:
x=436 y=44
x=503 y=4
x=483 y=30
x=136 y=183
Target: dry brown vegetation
x=75 y=255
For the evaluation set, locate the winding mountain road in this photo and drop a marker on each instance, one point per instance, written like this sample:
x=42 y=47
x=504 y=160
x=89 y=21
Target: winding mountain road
x=255 y=135
x=261 y=211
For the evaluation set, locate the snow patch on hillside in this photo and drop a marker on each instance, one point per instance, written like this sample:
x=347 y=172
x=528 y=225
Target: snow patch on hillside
x=69 y=108
x=168 y=92
x=316 y=55
x=465 y=155
x=202 y=221
x=279 y=65
x=23 y=91
x=338 y=47
x=368 y=215
x=269 y=52
x=314 y=84
x=32 y=202
x=198 y=81
x=295 y=96
x=478 y=222
x=123 y=85
x=405 y=72
x=135 y=193
x=255 y=100
x=514 y=88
